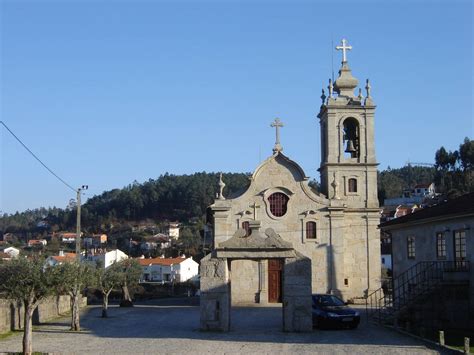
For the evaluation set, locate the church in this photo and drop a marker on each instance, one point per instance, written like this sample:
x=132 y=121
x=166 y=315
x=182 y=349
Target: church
x=281 y=240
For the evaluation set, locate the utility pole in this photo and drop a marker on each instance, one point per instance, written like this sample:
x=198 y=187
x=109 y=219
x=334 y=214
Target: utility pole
x=78 y=222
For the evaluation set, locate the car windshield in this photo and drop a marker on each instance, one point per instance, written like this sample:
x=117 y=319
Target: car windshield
x=327 y=300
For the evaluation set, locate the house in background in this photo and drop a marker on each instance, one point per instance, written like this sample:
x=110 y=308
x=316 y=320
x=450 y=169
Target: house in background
x=95 y=241
x=5 y=256
x=420 y=194
x=37 y=242
x=173 y=230
x=435 y=247
x=10 y=238
x=60 y=259
x=12 y=251
x=167 y=270
x=106 y=258
x=67 y=237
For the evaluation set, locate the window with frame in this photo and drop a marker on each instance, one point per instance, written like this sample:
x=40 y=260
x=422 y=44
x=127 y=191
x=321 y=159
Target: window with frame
x=411 y=247
x=310 y=230
x=246 y=226
x=278 y=204
x=460 y=245
x=440 y=245
x=352 y=185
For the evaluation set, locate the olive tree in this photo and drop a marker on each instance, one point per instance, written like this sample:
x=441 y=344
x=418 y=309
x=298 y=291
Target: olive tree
x=131 y=272
x=107 y=280
x=73 y=278
x=27 y=281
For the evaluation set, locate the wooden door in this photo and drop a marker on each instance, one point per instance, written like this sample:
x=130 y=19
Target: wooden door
x=275 y=267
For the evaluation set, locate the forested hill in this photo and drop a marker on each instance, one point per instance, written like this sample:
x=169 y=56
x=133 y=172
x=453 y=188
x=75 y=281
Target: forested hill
x=170 y=197
x=185 y=198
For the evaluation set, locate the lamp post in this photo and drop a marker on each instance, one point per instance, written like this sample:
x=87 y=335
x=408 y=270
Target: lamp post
x=78 y=222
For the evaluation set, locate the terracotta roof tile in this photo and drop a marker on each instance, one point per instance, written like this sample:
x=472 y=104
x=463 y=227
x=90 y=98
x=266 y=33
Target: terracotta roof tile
x=64 y=258
x=160 y=261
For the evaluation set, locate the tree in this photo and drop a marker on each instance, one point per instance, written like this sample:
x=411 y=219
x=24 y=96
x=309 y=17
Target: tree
x=107 y=280
x=73 y=278
x=466 y=154
x=29 y=282
x=131 y=272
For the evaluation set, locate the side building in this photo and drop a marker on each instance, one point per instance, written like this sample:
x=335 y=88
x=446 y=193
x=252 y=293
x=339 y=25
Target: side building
x=432 y=255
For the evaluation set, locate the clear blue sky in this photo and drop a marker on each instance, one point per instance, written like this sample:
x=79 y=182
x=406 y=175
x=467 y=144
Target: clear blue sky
x=109 y=92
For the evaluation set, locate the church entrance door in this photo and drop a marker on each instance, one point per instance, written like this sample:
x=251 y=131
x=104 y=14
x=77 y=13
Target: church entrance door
x=275 y=267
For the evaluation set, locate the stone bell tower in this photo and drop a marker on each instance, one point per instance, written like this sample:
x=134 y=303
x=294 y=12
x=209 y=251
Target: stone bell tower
x=348 y=165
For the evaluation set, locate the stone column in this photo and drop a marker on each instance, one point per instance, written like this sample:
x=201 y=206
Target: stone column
x=297 y=315
x=215 y=296
x=374 y=267
x=336 y=248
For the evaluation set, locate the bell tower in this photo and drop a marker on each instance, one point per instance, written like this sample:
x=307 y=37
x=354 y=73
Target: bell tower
x=348 y=164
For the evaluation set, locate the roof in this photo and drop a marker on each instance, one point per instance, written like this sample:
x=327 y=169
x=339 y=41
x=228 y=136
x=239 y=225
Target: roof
x=282 y=159
x=5 y=256
x=423 y=186
x=461 y=206
x=161 y=261
x=36 y=241
x=67 y=235
x=64 y=258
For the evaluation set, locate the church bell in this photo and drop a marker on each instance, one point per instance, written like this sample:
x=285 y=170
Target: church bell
x=350 y=147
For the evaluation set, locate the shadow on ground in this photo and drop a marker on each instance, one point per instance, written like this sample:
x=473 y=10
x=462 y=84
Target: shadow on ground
x=179 y=319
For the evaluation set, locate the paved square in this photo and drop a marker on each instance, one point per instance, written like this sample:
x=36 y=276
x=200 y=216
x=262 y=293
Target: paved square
x=172 y=326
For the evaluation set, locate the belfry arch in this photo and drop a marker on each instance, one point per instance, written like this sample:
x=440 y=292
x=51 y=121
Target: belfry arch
x=351 y=137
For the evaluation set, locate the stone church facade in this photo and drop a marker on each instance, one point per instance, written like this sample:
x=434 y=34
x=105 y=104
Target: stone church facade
x=336 y=230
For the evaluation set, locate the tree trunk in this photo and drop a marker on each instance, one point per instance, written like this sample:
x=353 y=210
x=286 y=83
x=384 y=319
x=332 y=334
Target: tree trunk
x=75 y=323
x=28 y=330
x=126 y=299
x=105 y=304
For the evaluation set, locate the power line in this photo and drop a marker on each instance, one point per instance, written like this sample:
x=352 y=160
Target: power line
x=38 y=159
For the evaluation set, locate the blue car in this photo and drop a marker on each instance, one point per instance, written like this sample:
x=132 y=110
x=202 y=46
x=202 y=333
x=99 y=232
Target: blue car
x=330 y=311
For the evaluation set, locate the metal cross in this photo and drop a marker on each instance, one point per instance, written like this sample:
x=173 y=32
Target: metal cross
x=344 y=48
x=277 y=124
x=255 y=206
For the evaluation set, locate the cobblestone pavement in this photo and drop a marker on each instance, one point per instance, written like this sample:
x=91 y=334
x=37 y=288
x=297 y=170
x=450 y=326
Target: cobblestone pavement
x=171 y=326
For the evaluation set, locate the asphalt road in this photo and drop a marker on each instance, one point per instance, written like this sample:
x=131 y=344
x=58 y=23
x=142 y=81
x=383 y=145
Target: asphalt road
x=172 y=326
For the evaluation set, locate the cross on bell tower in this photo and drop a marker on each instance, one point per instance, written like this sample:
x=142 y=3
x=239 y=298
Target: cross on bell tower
x=344 y=47
x=347 y=141
x=277 y=124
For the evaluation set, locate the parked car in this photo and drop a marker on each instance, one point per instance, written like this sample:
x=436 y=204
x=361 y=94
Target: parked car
x=330 y=311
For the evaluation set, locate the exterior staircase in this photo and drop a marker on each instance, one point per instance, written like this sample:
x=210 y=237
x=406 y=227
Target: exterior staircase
x=385 y=304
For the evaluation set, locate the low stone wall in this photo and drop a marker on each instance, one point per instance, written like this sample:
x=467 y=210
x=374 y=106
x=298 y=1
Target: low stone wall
x=12 y=313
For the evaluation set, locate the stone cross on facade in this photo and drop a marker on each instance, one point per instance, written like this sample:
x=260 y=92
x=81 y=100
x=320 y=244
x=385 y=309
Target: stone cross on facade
x=255 y=206
x=277 y=124
x=345 y=47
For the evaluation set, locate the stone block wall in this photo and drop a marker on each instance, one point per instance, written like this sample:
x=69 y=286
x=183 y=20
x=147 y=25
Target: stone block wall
x=12 y=313
x=245 y=282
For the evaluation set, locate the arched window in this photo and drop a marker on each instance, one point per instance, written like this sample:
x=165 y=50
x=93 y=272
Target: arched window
x=246 y=226
x=351 y=138
x=310 y=230
x=278 y=204
x=352 y=185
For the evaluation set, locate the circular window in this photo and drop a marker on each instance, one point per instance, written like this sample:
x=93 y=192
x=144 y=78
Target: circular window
x=278 y=204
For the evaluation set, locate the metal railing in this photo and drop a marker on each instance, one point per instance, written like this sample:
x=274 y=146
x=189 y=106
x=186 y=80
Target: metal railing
x=421 y=279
